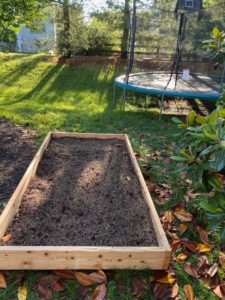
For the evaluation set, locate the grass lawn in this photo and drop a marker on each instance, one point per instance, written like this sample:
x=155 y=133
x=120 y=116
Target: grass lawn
x=47 y=96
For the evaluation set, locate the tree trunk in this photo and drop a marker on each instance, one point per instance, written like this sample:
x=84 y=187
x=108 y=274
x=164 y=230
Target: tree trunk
x=67 y=37
x=126 y=29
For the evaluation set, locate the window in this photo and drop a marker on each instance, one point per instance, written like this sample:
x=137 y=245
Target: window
x=189 y=3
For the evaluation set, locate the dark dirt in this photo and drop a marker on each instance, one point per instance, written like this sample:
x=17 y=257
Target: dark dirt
x=85 y=193
x=16 y=152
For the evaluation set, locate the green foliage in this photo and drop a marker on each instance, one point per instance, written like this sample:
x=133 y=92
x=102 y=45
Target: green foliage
x=14 y=13
x=203 y=153
x=216 y=46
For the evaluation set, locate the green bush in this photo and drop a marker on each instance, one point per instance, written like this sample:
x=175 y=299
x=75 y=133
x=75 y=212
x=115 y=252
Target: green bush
x=203 y=153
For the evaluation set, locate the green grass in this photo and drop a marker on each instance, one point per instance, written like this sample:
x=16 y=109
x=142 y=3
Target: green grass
x=47 y=96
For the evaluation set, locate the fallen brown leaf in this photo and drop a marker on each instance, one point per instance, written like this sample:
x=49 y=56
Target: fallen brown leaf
x=173 y=236
x=83 y=279
x=202 y=265
x=213 y=270
x=98 y=277
x=183 y=215
x=169 y=216
x=6 y=238
x=138 y=286
x=222 y=259
x=217 y=291
x=160 y=290
x=189 y=292
x=190 y=246
x=203 y=235
x=99 y=292
x=175 y=243
x=3 y=283
x=22 y=293
x=190 y=269
x=66 y=274
x=203 y=248
x=44 y=292
x=181 y=257
x=175 y=290
x=164 y=277
x=58 y=286
x=182 y=228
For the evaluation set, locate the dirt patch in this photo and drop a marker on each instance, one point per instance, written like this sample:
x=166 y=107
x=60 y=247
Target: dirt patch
x=16 y=152
x=85 y=193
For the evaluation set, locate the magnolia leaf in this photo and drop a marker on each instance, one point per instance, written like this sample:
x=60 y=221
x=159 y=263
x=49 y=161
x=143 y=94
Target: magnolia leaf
x=173 y=236
x=203 y=235
x=169 y=216
x=216 y=33
x=200 y=120
x=213 y=270
x=189 y=292
x=22 y=292
x=98 y=277
x=58 y=286
x=66 y=274
x=222 y=259
x=3 y=283
x=203 y=248
x=190 y=246
x=44 y=292
x=181 y=257
x=217 y=291
x=138 y=286
x=175 y=290
x=163 y=277
x=99 y=292
x=83 y=279
x=191 y=117
x=182 y=227
x=190 y=269
x=160 y=290
x=183 y=215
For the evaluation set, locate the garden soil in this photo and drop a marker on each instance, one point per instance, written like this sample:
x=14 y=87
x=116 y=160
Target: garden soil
x=85 y=193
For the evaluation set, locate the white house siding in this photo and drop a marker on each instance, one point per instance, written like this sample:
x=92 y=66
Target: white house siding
x=30 y=41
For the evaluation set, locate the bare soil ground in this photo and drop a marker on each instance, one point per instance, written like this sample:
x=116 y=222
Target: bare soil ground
x=16 y=152
x=85 y=193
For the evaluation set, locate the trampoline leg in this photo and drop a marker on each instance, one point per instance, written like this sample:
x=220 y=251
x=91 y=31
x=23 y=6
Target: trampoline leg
x=123 y=99
x=161 y=106
x=114 y=95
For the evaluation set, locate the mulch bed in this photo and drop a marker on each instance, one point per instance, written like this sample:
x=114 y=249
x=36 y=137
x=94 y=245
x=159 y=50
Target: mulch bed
x=16 y=152
x=85 y=193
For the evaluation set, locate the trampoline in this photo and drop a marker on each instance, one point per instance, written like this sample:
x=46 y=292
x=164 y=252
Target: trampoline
x=177 y=83
x=196 y=87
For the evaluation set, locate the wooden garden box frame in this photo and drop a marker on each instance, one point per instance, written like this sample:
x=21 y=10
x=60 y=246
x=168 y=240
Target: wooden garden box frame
x=74 y=257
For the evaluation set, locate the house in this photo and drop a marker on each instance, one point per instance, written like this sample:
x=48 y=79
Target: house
x=43 y=38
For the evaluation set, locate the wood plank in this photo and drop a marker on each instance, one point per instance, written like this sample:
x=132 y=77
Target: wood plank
x=161 y=237
x=89 y=258
x=101 y=136
x=14 y=202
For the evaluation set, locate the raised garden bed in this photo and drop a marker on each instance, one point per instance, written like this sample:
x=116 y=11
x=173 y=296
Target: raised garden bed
x=85 y=205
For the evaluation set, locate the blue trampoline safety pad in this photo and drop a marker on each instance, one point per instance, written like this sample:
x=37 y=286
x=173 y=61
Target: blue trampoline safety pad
x=196 y=87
